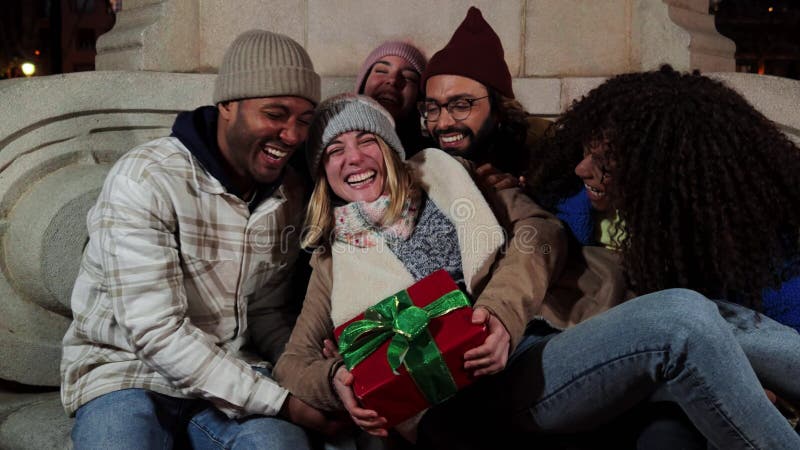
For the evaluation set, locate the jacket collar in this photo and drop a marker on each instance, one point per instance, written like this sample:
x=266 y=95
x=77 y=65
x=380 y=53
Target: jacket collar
x=197 y=131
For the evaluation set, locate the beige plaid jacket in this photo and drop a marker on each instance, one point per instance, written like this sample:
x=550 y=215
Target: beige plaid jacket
x=176 y=277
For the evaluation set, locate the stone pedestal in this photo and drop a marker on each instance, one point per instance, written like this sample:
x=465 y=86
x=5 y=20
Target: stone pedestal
x=59 y=137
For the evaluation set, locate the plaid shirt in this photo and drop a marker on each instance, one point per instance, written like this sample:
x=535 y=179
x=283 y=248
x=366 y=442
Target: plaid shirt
x=174 y=270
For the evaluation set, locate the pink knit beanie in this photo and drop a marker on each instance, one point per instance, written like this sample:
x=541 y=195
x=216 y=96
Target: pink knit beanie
x=396 y=48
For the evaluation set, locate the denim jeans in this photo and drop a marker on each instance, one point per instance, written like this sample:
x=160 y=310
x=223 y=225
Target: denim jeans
x=673 y=344
x=141 y=419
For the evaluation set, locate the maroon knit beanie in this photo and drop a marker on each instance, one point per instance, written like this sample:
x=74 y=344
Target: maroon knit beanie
x=474 y=51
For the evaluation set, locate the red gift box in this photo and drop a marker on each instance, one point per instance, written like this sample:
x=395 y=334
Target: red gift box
x=396 y=396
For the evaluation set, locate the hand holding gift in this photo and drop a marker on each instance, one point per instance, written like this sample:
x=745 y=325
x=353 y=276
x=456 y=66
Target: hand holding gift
x=491 y=356
x=406 y=352
x=367 y=419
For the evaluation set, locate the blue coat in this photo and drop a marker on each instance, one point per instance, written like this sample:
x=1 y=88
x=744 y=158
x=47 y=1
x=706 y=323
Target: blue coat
x=781 y=304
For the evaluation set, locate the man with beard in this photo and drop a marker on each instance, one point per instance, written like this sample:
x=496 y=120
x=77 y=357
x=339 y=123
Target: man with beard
x=469 y=109
x=469 y=106
x=182 y=299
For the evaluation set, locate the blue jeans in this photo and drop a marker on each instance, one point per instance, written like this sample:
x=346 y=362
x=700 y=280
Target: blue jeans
x=675 y=345
x=139 y=419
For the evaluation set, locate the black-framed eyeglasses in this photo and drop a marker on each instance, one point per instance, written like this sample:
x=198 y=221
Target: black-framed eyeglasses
x=458 y=109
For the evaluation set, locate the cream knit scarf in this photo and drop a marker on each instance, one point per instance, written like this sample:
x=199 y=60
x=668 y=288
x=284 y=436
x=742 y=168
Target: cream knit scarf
x=359 y=223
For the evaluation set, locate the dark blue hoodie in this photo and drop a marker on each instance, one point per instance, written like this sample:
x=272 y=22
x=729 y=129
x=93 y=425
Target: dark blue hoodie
x=197 y=130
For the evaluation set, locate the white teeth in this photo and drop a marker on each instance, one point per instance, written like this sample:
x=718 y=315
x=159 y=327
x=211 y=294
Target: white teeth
x=275 y=153
x=596 y=191
x=450 y=139
x=359 y=177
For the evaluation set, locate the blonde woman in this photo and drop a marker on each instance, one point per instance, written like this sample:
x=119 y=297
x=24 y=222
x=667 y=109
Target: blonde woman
x=380 y=223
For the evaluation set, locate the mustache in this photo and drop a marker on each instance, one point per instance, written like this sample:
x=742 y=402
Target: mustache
x=463 y=130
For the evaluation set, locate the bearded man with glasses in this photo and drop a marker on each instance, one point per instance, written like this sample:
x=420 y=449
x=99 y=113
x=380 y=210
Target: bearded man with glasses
x=469 y=109
x=469 y=106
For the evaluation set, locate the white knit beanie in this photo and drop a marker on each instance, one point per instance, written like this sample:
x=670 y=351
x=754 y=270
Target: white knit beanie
x=264 y=64
x=348 y=112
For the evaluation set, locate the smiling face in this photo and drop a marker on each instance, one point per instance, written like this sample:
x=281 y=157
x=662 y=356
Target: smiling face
x=394 y=83
x=355 y=167
x=594 y=171
x=258 y=136
x=459 y=137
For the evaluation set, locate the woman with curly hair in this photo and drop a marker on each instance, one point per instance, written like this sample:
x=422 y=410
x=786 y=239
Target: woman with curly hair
x=692 y=185
x=678 y=181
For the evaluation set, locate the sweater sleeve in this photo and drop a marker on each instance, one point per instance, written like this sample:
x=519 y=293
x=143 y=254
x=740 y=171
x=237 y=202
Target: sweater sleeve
x=533 y=257
x=302 y=368
x=144 y=279
x=783 y=304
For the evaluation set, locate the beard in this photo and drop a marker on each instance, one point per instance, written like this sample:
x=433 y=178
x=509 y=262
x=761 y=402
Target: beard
x=478 y=147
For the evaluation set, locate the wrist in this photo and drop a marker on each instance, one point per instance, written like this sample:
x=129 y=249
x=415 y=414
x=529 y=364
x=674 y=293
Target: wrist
x=285 y=411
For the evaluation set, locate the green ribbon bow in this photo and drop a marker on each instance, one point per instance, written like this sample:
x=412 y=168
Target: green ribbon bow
x=412 y=344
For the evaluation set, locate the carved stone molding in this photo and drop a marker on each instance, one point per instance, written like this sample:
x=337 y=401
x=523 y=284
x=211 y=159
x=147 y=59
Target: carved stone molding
x=60 y=136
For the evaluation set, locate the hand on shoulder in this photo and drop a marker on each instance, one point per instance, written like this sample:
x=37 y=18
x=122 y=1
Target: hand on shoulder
x=487 y=176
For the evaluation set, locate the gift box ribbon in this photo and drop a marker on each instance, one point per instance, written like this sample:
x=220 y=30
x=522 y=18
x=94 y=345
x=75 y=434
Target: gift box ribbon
x=411 y=343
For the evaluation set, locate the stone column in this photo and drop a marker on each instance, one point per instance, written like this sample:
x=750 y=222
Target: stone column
x=158 y=35
x=679 y=32
x=190 y=35
x=606 y=37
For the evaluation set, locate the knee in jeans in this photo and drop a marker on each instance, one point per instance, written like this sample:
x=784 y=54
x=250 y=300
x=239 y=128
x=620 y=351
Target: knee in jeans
x=679 y=303
x=683 y=311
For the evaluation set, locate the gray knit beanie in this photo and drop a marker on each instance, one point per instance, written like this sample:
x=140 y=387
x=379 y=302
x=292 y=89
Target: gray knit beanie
x=348 y=112
x=264 y=64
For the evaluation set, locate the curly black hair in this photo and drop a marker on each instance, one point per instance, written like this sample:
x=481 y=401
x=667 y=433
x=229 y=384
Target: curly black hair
x=506 y=146
x=706 y=187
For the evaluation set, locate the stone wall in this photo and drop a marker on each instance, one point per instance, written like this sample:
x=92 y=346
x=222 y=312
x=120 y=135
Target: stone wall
x=542 y=38
x=548 y=43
